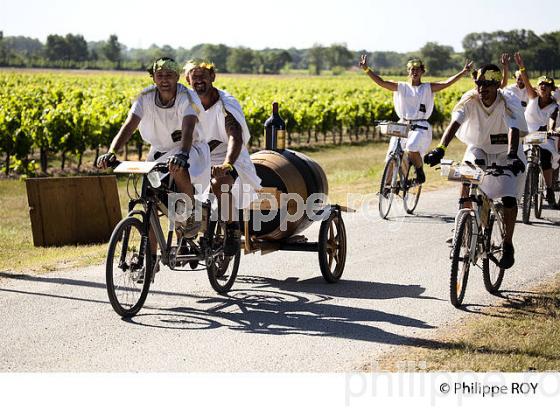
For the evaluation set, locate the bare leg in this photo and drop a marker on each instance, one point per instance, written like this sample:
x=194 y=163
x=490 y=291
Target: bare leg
x=548 y=177
x=415 y=158
x=510 y=215
x=224 y=196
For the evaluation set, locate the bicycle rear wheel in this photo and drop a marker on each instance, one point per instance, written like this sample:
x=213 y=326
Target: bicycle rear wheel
x=129 y=262
x=492 y=274
x=388 y=187
x=527 y=194
x=460 y=260
x=412 y=190
x=540 y=193
x=222 y=269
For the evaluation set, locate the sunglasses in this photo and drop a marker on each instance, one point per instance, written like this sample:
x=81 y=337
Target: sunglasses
x=485 y=83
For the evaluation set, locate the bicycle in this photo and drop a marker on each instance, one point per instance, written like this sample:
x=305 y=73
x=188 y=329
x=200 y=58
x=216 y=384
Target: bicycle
x=479 y=231
x=404 y=180
x=535 y=186
x=129 y=265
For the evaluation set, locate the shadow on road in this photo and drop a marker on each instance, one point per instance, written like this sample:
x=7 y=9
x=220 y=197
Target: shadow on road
x=426 y=218
x=352 y=289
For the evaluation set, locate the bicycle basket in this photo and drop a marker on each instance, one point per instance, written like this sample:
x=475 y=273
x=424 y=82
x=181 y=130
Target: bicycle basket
x=536 y=138
x=461 y=172
x=394 y=129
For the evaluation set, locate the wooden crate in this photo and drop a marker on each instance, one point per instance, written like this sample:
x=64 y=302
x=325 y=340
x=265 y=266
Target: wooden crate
x=73 y=210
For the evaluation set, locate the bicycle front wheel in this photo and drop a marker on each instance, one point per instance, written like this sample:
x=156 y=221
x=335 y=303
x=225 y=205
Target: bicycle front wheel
x=128 y=267
x=460 y=260
x=492 y=274
x=411 y=189
x=527 y=195
x=388 y=187
x=222 y=269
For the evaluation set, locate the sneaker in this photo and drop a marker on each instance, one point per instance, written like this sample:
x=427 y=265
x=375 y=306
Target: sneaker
x=189 y=228
x=550 y=197
x=507 y=259
x=155 y=269
x=233 y=239
x=420 y=176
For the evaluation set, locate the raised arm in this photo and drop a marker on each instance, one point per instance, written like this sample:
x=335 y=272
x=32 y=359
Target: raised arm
x=388 y=85
x=531 y=93
x=505 y=69
x=451 y=80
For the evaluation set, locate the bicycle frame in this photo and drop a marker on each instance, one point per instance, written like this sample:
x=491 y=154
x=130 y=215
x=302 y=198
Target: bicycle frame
x=400 y=155
x=479 y=201
x=150 y=219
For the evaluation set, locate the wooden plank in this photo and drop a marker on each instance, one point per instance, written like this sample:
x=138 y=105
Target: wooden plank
x=73 y=210
x=35 y=211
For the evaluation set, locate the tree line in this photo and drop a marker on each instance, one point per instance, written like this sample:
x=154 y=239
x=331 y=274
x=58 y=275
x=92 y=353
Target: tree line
x=73 y=51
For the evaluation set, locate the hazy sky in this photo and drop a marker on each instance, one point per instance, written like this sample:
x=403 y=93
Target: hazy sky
x=399 y=25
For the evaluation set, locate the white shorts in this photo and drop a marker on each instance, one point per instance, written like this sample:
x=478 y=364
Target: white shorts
x=496 y=187
x=418 y=141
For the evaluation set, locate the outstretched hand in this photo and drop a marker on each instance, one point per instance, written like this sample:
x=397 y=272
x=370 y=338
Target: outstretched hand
x=518 y=60
x=468 y=66
x=504 y=59
x=363 y=61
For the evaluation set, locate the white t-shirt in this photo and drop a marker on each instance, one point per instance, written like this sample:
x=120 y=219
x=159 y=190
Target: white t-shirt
x=520 y=93
x=488 y=127
x=536 y=116
x=413 y=102
x=161 y=127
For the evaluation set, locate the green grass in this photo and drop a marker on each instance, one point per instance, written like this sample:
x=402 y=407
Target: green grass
x=523 y=334
x=352 y=169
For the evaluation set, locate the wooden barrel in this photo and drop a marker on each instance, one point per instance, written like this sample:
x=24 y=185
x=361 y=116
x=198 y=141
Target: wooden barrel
x=289 y=172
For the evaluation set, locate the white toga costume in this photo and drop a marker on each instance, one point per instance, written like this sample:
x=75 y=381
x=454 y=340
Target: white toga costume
x=414 y=104
x=537 y=119
x=161 y=128
x=485 y=131
x=213 y=122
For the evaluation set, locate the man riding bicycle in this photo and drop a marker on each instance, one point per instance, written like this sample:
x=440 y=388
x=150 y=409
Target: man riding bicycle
x=166 y=115
x=234 y=177
x=489 y=121
x=414 y=103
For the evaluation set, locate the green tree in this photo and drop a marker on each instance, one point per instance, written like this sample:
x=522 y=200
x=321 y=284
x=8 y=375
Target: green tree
x=338 y=55
x=437 y=57
x=112 y=50
x=241 y=60
x=316 y=58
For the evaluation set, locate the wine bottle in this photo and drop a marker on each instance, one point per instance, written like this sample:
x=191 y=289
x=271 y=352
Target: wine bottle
x=275 y=130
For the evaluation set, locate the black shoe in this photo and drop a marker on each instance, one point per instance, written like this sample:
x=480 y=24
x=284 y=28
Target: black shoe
x=550 y=197
x=233 y=239
x=420 y=176
x=507 y=260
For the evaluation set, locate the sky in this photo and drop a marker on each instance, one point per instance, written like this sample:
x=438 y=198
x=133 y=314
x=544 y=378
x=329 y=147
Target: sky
x=396 y=25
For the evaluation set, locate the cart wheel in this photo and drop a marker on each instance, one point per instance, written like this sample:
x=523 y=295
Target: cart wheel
x=332 y=247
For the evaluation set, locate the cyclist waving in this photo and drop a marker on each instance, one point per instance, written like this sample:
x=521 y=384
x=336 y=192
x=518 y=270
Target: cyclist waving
x=414 y=103
x=541 y=114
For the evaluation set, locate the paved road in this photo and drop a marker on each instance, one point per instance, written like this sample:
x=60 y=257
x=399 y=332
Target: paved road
x=280 y=316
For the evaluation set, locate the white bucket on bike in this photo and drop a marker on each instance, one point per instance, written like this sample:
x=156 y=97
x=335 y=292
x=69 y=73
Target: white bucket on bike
x=395 y=129
x=461 y=172
x=536 y=138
